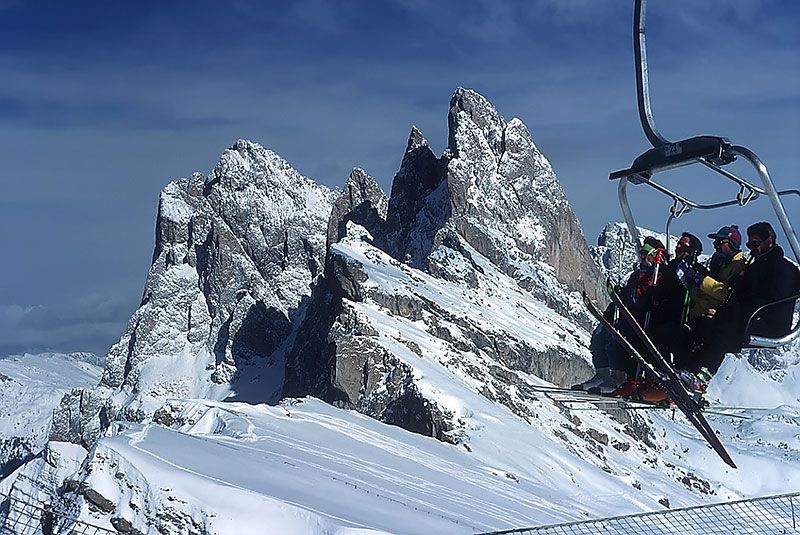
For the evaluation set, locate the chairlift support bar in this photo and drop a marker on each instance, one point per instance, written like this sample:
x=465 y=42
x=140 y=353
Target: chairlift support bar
x=711 y=151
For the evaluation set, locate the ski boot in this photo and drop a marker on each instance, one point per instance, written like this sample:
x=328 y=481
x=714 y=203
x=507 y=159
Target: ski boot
x=600 y=375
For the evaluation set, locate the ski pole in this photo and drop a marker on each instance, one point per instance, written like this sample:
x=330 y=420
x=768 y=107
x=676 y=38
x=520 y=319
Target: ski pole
x=655 y=283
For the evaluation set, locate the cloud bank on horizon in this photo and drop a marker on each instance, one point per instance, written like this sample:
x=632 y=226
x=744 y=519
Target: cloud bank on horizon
x=101 y=106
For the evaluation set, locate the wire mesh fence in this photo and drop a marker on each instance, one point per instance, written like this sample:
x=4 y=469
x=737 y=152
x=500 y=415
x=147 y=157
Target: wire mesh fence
x=772 y=515
x=24 y=516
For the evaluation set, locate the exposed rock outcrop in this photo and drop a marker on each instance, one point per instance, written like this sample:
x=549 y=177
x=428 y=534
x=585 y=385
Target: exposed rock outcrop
x=490 y=207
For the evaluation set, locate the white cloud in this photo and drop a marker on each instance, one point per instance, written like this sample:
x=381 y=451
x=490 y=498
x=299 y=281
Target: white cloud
x=90 y=323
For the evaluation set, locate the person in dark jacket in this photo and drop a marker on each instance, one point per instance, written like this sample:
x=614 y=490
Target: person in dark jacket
x=672 y=300
x=671 y=304
x=767 y=277
x=612 y=364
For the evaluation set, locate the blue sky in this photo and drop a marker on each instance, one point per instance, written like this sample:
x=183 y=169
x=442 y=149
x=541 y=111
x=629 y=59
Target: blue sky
x=103 y=103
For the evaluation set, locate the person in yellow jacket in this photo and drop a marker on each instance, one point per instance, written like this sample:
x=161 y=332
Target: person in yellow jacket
x=709 y=291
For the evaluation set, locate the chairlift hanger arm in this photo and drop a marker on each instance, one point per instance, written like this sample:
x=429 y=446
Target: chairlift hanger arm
x=642 y=79
x=713 y=149
x=680 y=199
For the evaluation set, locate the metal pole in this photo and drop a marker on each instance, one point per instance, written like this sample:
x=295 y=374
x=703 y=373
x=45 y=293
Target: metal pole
x=777 y=205
x=669 y=224
x=622 y=193
x=642 y=82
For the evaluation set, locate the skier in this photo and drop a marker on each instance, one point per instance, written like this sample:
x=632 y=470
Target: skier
x=708 y=290
x=612 y=364
x=671 y=308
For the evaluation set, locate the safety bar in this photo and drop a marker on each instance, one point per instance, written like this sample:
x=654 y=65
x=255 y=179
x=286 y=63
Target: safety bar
x=772 y=343
x=682 y=204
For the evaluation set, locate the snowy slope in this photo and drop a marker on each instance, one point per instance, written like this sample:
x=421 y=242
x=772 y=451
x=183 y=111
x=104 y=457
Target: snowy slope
x=307 y=467
x=31 y=386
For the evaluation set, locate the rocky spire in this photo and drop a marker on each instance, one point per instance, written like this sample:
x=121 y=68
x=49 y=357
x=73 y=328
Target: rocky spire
x=496 y=191
x=417 y=207
x=362 y=201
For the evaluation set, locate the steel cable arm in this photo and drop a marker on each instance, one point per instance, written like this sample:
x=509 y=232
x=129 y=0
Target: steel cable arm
x=642 y=83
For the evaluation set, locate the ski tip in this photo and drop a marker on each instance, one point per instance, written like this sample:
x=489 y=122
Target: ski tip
x=609 y=286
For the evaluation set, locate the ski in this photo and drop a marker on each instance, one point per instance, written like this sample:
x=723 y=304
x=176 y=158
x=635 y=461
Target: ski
x=663 y=373
x=601 y=401
x=568 y=395
x=626 y=345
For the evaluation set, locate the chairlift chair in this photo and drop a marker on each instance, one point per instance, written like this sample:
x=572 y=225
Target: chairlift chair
x=712 y=152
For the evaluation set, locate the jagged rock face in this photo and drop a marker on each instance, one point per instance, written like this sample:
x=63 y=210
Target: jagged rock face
x=235 y=256
x=615 y=252
x=378 y=323
x=362 y=201
x=507 y=201
x=80 y=418
x=490 y=207
x=419 y=205
x=495 y=192
x=31 y=388
x=338 y=357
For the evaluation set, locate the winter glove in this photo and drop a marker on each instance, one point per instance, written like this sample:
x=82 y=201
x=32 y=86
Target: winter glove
x=689 y=276
x=692 y=277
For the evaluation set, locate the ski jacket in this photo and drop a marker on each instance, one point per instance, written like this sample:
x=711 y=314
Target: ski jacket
x=639 y=291
x=714 y=286
x=671 y=299
x=766 y=278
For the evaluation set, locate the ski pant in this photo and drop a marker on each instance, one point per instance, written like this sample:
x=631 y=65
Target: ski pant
x=720 y=335
x=701 y=344
x=607 y=352
x=673 y=341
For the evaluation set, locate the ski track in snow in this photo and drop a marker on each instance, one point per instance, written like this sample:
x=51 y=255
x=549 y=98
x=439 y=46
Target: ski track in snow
x=239 y=449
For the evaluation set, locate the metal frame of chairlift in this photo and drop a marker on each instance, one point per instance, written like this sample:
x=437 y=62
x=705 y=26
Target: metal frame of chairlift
x=710 y=151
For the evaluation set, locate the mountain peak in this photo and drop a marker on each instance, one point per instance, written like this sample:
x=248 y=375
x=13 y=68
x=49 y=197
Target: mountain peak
x=468 y=106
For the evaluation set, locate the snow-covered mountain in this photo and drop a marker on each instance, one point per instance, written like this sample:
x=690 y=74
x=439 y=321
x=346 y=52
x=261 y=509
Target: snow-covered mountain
x=343 y=362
